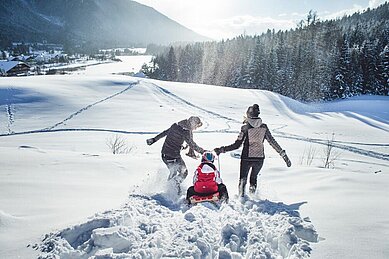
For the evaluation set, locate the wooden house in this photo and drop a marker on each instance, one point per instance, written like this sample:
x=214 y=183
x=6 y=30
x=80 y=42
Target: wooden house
x=13 y=68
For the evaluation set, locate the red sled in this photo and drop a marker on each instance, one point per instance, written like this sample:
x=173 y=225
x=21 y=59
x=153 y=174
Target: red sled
x=214 y=197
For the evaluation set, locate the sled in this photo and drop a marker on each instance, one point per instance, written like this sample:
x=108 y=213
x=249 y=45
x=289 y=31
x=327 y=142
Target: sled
x=214 y=197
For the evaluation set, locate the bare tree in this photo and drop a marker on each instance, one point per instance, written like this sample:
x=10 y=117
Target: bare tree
x=118 y=145
x=308 y=156
x=330 y=156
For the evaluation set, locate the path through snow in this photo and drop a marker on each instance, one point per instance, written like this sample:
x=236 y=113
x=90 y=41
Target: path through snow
x=156 y=223
x=89 y=106
x=156 y=227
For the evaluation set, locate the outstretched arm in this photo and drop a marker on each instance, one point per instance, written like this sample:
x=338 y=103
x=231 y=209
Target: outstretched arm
x=151 y=141
x=269 y=137
x=238 y=142
x=192 y=144
x=276 y=146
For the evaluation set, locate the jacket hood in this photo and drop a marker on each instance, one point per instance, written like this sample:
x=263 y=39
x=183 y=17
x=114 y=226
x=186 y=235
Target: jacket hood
x=190 y=124
x=255 y=122
x=184 y=124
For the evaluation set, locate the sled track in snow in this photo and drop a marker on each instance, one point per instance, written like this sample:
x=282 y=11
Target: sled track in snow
x=80 y=129
x=340 y=145
x=318 y=141
x=104 y=130
x=88 y=107
x=343 y=145
x=179 y=99
x=336 y=144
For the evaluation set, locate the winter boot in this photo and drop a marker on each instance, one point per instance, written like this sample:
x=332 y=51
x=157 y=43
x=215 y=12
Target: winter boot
x=252 y=189
x=178 y=180
x=179 y=190
x=242 y=187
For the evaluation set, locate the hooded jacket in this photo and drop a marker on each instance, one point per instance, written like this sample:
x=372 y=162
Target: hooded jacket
x=206 y=178
x=175 y=137
x=252 y=135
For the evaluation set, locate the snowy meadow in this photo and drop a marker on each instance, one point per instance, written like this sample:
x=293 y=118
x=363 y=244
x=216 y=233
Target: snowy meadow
x=64 y=194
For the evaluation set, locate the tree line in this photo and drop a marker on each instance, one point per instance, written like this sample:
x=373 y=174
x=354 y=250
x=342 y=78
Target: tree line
x=318 y=60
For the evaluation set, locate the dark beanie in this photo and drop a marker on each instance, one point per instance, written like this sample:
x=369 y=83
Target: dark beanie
x=253 y=111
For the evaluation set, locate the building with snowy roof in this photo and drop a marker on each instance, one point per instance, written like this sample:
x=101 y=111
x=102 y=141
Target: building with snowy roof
x=13 y=68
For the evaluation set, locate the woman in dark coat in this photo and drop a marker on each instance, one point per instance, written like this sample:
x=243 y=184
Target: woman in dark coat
x=175 y=137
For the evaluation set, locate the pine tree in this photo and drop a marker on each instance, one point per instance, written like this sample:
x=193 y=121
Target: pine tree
x=186 y=65
x=271 y=72
x=356 y=72
x=384 y=71
x=317 y=60
x=198 y=54
x=369 y=68
x=172 y=66
x=343 y=73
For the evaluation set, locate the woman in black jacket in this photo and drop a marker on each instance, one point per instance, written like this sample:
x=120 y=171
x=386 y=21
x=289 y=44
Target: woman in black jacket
x=175 y=137
x=252 y=135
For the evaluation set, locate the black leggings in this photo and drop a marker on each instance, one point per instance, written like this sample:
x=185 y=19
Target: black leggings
x=245 y=166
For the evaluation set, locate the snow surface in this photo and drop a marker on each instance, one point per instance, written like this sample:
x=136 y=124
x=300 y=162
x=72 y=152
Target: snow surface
x=64 y=194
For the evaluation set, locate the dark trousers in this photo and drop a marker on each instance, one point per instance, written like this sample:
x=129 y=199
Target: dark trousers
x=177 y=169
x=245 y=166
x=221 y=188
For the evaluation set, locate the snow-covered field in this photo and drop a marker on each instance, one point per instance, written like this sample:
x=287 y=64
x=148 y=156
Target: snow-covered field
x=60 y=182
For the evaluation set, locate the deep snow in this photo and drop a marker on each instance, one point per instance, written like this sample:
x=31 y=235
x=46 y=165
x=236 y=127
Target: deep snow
x=59 y=179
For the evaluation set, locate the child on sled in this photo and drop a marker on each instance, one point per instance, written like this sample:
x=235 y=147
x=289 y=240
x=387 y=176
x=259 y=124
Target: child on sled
x=207 y=184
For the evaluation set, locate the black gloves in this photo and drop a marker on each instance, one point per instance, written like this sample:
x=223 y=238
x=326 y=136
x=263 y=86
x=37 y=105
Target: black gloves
x=192 y=154
x=219 y=150
x=150 y=141
x=286 y=158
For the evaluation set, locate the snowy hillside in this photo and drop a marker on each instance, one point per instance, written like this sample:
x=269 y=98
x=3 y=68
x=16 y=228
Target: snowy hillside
x=63 y=193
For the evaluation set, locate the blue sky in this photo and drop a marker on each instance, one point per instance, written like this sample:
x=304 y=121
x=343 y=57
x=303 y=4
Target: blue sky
x=219 y=19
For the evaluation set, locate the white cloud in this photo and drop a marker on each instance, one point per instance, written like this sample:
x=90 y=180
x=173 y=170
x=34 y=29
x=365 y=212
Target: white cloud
x=208 y=17
x=354 y=9
x=341 y=13
x=298 y=14
x=233 y=26
x=376 y=3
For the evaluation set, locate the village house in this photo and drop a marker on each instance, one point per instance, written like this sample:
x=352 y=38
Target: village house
x=13 y=68
x=21 y=58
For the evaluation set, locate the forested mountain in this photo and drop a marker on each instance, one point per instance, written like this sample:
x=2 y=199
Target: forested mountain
x=319 y=60
x=88 y=22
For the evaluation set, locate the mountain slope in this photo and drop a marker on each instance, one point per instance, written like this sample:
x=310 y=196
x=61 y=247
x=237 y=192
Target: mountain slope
x=96 y=22
x=19 y=22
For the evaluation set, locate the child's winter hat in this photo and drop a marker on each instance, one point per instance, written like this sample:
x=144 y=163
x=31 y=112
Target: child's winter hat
x=208 y=157
x=253 y=111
